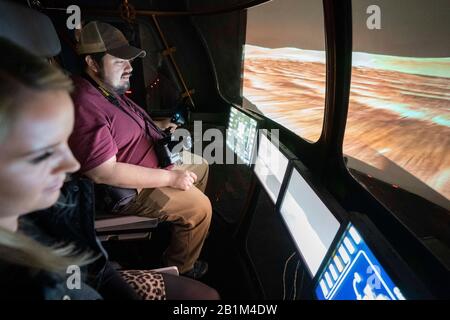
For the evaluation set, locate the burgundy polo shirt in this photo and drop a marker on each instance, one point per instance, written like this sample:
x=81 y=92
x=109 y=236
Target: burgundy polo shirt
x=102 y=130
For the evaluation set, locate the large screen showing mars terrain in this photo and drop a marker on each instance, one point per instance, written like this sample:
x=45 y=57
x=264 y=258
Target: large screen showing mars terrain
x=398 y=126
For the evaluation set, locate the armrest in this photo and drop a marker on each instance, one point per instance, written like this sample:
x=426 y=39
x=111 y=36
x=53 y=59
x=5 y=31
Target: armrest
x=125 y=223
x=173 y=270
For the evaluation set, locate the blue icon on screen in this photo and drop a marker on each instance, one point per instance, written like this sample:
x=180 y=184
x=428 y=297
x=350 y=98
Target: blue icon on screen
x=353 y=273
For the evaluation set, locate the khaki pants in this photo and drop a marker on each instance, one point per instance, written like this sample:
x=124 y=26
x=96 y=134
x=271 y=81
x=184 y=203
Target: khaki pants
x=189 y=212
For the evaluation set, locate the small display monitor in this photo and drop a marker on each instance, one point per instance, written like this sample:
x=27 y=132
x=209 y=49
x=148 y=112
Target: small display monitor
x=354 y=273
x=241 y=135
x=270 y=165
x=311 y=224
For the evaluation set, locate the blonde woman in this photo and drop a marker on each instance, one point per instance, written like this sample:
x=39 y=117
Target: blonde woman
x=36 y=120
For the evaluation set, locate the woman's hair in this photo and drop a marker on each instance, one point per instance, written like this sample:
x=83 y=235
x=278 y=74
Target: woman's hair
x=19 y=249
x=21 y=71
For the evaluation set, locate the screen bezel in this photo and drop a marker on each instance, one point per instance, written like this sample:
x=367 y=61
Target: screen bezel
x=324 y=196
x=283 y=150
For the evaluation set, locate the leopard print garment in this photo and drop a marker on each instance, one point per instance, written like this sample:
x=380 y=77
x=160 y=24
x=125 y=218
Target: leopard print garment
x=148 y=284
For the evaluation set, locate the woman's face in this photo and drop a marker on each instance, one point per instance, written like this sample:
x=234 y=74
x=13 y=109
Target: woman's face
x=34 y=155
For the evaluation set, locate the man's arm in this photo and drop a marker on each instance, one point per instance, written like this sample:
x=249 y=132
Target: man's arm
x=126 y=175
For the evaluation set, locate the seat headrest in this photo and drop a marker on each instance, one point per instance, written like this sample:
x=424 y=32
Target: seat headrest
x=29 y=29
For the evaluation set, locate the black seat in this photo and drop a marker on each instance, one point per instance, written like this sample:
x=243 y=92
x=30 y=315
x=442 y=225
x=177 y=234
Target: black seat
x=29 y=29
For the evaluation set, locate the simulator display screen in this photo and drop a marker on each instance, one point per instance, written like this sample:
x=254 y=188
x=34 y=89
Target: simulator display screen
x=284 y=68
x=270 y=166
x=241 y=135
x=354 y=273
x=398 y=127
x=310 y=223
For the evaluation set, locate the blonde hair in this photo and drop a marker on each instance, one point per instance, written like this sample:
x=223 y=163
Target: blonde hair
x=21 y=71
x=19 y=249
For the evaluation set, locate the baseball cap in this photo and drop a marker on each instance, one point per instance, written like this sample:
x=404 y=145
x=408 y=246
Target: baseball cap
x=98 y=36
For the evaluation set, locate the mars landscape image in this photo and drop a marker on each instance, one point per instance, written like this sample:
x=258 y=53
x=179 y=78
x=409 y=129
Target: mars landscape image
x=399 y=111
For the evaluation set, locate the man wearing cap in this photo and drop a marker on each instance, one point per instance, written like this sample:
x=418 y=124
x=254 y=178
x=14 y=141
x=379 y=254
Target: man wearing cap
x=114 y=141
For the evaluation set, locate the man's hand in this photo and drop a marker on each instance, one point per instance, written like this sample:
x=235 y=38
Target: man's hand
x=183 y=179
x=165 y=123
x=172 y=127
